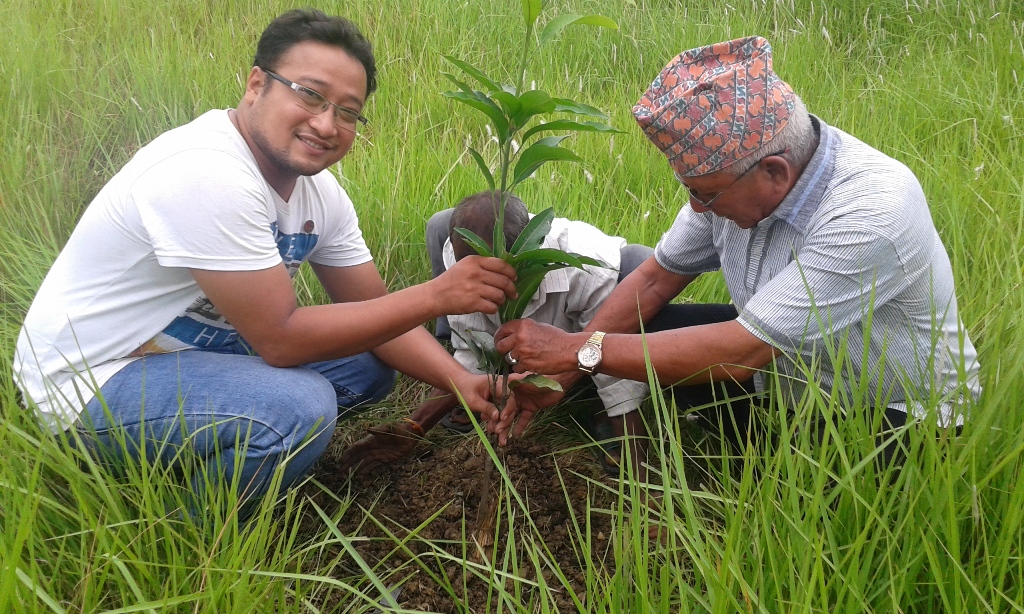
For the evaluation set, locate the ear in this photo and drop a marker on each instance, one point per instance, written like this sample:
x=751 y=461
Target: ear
x=781 y=174
x=254 y=84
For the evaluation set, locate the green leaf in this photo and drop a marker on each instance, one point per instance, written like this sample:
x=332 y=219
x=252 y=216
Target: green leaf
x=538 y=380
x=548 y=256
x=531 y=103
x=533 y=235
x=556 y=25
x=564 y=105
x=526 y=287
x=531 y=11
x=570 y=125
x=474 y=72
x=544 y=150
x=534 y=98
x=505 y=95
x=527 y=281
x=508 y=101
x=531 y=267
x=458 y=83
x=475 y=242
x=481 y=345
x=479 y=101
x=483 y=167
x=498 y=229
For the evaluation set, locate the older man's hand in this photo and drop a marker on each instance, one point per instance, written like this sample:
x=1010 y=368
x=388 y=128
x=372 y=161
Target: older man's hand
x=539 y=348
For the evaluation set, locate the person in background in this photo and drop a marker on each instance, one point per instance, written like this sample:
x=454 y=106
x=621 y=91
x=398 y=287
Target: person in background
x=567 y=299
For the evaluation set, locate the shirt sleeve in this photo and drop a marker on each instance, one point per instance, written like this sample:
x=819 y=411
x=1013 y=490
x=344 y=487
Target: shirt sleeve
x=688 y=247
x=841 y=274
x=205 y=209
x=343 y=245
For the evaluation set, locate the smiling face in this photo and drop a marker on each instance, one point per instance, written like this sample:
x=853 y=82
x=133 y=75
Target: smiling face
x=286 y=139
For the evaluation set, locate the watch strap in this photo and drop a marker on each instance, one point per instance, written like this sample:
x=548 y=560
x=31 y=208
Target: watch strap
x=595 y=341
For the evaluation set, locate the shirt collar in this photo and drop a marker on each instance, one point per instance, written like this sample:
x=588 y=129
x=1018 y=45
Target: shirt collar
x=800 y=205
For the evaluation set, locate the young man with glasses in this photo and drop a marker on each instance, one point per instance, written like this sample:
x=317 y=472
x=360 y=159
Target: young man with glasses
x=823 y=242
x=170 y=315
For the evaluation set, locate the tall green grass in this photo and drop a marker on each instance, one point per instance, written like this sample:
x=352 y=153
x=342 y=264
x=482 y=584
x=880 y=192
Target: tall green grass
x=936 y=84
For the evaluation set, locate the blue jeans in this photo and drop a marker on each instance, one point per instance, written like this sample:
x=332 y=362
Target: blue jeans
x=229 y=409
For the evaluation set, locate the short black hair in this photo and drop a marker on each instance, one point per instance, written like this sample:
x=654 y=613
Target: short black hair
x=478 y=213
x=301 y=25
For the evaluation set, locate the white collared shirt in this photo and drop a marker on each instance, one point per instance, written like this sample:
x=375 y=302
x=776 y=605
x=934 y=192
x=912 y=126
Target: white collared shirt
x=568 y=299
x=848 y=277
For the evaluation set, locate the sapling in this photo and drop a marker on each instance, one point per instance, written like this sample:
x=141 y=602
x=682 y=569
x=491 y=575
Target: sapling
x=520 y=116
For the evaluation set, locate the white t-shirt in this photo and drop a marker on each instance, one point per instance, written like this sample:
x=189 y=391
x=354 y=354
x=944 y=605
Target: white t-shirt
x=120 y=289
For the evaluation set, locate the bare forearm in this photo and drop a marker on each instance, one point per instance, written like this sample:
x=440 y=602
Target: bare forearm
x=263 y=308
x=418 y=355
x=638 y=298
x=694 y=354
x=325 y=332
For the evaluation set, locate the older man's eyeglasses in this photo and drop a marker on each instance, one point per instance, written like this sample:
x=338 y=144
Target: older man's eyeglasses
x=707 y=204
x=314 y=102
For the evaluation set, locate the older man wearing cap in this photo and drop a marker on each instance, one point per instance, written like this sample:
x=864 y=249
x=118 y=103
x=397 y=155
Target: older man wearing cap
x=824 y=243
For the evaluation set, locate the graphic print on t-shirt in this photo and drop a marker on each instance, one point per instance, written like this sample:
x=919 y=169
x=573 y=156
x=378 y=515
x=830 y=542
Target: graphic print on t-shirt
x=295 y=248
x=202 y=326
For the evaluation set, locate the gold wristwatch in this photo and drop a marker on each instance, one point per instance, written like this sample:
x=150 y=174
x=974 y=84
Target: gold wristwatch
x=589 y=356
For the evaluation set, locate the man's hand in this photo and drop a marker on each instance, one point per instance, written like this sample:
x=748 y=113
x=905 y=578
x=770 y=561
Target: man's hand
x=528 y=401
x=384 y=444
x=474 y=284
x=514 y=417
x=476 y=392
x=540 y=348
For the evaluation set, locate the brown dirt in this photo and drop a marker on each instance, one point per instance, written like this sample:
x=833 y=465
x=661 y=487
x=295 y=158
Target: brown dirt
x=442 y=478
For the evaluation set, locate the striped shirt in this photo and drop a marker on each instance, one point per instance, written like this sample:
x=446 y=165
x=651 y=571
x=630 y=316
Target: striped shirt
x=847 y=275
x=568 y=299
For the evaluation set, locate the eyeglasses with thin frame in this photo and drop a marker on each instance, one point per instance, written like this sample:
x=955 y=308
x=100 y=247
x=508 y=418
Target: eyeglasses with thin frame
x=707 y=204
x=315 y=102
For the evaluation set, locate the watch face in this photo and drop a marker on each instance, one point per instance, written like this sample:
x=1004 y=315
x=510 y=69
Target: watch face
x=589 y=356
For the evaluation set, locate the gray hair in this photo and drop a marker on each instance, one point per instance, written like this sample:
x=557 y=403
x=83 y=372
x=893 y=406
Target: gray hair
x=797 y=136
x=479 y=212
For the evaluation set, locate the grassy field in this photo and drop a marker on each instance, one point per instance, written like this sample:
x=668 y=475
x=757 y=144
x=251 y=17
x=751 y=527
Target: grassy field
x=934 y=83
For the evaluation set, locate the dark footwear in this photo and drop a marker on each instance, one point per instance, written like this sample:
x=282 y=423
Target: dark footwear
x=452 y=422
x=383 y=445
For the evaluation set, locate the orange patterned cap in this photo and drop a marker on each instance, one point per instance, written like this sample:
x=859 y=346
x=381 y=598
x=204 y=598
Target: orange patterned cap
x=714 y=105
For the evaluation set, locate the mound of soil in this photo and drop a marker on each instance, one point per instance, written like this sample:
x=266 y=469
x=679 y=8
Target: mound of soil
x=436 y=494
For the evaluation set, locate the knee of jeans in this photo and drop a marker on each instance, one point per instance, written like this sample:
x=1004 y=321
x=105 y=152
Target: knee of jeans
x=435 y=235
x=437 y=225
x=311 y=406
